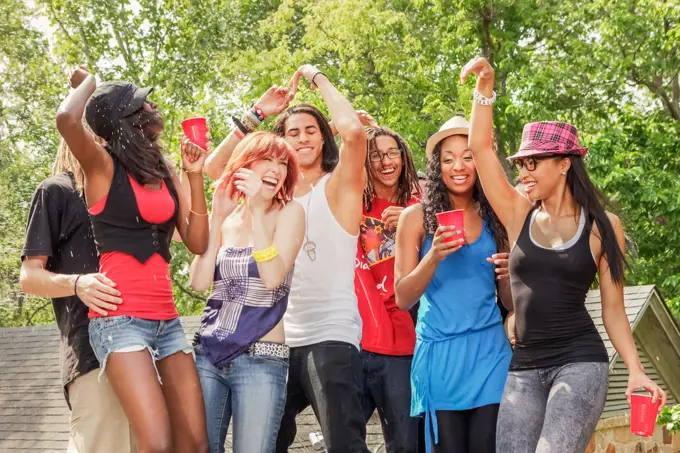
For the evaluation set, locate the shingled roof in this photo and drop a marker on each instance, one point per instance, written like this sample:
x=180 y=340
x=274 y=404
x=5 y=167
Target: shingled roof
x=34 y=417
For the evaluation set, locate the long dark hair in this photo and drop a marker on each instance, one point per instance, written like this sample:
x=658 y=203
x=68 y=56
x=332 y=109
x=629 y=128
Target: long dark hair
x=408 y=179
x=593 y=203
x=330 y=153
x=436 y=199
x=137 y=147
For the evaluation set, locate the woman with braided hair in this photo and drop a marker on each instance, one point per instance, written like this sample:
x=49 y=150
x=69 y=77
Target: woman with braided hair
x=462 y=354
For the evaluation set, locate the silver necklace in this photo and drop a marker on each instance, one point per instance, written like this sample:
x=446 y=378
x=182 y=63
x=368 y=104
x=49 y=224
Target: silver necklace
x=310 y=246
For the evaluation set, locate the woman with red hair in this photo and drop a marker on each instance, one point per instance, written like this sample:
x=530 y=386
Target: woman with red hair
x=255 y=234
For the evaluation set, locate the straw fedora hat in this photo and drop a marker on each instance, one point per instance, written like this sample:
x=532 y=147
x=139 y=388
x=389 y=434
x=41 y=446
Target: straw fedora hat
x=457 y=125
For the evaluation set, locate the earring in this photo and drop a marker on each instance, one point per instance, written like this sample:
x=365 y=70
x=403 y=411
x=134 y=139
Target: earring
x=564 y=173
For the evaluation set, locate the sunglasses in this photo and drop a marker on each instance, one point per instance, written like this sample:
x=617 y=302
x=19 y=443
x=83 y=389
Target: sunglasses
x=530 y=162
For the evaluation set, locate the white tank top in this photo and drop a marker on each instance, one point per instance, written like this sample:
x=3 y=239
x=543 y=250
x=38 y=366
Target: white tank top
x=322 y=305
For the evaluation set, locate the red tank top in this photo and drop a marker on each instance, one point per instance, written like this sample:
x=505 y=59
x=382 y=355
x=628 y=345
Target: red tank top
x=146 y=288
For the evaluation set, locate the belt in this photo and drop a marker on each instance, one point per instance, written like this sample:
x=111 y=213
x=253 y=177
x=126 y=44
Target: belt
x=269 y=348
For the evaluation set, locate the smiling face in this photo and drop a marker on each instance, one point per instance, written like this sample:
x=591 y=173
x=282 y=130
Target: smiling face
x=544 y=176
x=386 y=161
x=302 y=132
x=272 y=172
x=457 y=165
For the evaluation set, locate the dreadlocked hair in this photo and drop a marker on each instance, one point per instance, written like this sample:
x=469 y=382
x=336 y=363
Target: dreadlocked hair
x=436 y=199
x=408 y=179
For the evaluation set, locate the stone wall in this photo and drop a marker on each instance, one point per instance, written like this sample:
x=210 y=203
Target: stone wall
x=612 y=435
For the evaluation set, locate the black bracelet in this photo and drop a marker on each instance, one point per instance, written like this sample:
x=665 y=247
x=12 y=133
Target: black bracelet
x=75 y=285
x=240 y=125
x=314 y=76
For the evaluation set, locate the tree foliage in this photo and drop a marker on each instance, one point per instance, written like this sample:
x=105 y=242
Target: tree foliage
x=608 y=66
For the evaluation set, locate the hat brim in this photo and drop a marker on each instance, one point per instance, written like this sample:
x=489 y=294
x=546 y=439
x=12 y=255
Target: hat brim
x=137 y=101
x=537 y=152
x=441 y=135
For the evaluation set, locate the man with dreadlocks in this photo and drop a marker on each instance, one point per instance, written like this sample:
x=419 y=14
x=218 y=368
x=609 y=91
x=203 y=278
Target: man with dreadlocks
x=388 y=333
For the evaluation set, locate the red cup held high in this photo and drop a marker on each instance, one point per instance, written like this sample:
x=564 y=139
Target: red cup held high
x=454 y=218
x=643 y=414
x=196 y=130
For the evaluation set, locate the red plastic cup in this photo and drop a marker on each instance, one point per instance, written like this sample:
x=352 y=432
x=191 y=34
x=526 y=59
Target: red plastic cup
x=454 y=218
x=643 y=414
x=196 y=130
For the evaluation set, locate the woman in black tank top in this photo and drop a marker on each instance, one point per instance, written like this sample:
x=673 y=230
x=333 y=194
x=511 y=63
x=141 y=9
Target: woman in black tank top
x=563 y=238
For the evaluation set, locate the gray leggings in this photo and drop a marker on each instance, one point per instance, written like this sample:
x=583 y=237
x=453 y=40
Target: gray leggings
x=551 y=410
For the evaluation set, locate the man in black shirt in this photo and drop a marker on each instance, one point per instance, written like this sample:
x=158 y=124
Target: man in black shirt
x=59 y=260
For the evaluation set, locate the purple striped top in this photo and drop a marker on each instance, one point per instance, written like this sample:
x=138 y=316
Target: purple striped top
x=240 y=309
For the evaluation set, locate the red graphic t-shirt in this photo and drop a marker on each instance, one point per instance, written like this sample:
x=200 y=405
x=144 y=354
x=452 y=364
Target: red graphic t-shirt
x=386 y=328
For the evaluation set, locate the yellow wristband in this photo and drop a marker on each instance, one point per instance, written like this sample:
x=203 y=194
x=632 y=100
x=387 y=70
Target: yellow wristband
x=266 y=255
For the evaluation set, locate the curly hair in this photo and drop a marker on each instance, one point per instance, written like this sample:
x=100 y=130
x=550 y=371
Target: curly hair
x=408 y=179
x=436 y=199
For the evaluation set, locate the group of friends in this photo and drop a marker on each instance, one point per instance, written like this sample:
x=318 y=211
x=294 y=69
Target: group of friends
x=332 y=282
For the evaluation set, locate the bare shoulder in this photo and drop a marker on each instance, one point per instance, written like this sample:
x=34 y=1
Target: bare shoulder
x=412 y=215
x=292 y=210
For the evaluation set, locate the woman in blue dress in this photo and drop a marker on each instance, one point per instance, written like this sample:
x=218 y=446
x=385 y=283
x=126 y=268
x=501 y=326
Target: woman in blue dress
x=462 y=352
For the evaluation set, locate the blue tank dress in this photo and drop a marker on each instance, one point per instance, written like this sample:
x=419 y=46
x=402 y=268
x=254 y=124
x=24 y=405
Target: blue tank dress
x=462 y=354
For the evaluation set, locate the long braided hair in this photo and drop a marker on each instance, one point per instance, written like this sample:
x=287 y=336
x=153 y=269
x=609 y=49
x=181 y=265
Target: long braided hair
x=408 y=179
x=436 y=199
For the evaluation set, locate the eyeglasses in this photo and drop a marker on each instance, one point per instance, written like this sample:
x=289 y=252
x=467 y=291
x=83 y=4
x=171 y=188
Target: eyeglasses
x=377 y=156
x=530 y=162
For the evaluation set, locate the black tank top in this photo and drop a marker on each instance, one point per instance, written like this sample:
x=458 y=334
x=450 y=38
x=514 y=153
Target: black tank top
x=549 y=288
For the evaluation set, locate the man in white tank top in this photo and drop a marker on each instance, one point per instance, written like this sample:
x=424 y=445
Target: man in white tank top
x=322 y=322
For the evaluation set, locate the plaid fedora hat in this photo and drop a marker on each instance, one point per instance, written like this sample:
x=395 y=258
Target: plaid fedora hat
x=549 y=137
x=457 y=125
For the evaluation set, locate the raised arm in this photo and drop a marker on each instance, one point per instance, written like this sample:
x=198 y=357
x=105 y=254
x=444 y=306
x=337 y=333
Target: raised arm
x=617 y=326
x=93 y=158
x=274 y=101
x=274 y=251
x=203 y=267
x=411 y=274
x=192 y=221
x=509 y=205
x=349 y=173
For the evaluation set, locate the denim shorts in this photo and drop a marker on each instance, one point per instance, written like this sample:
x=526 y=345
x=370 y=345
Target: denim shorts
x=128 y=334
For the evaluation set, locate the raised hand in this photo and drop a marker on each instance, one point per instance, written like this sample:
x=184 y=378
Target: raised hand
x=480 y=67
x=501 y=262
x=308 y=72
x=225 y=199
x=275 y=100
x=193 y=156
x=366 y=119
x=78 y=75
x=250 y=185
x=98 y=293
x=440 y=248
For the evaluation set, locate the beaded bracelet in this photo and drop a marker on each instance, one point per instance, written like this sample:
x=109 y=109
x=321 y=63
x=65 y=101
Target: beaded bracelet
x=265 y=255
x=237 y=132
x=480 y=99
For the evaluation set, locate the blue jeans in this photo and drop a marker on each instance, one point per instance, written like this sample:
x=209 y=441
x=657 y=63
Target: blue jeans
x=252 y=389
x=387 y=387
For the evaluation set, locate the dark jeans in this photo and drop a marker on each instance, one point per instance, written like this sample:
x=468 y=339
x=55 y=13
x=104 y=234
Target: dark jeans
x=387 y=387
x=326 y=375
